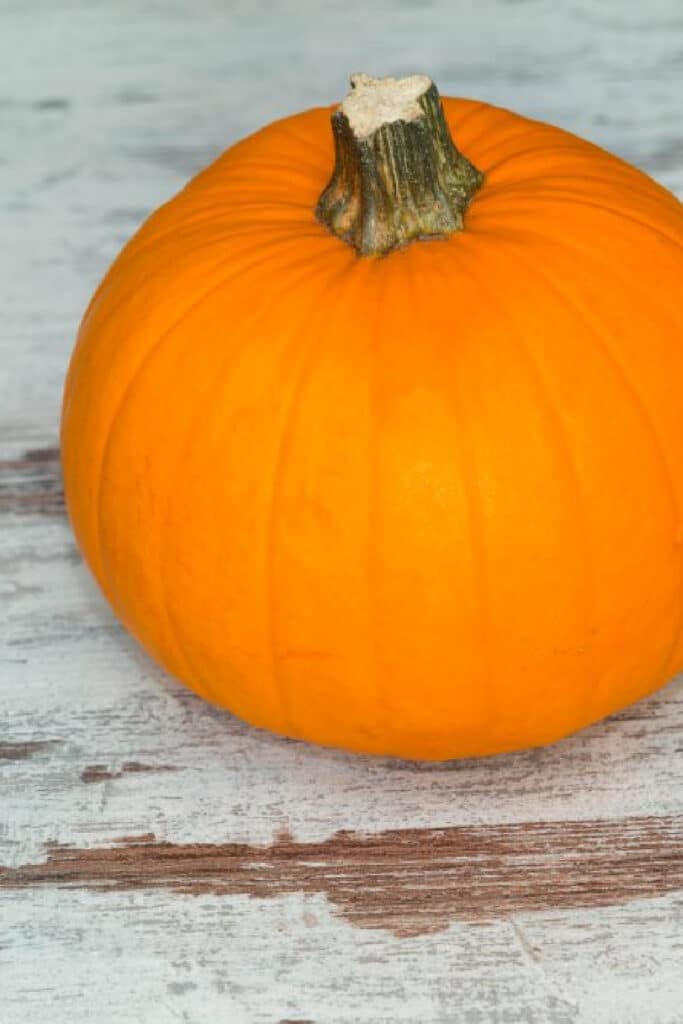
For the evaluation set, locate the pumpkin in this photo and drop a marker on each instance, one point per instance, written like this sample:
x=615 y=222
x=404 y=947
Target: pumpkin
x=375 y=438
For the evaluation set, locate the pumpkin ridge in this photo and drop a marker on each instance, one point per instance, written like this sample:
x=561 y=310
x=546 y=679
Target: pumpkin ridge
x=113 y=308
x=492 y=141
x=285 y=438
x=375 y=667
x=196 y=224
x=570 y=242
x=558 y=140
x=479 y=547
x=543 y=185
x=565 y=195
x=283 y=128
x=270 y=205
x=127 y=392
x=620 y=214
x=550 y=146
x=129 y=388
x=647 y=419
x=475 y=107
x=246 y=328
x=307 y=142
x=533 y=200
x=584 y=585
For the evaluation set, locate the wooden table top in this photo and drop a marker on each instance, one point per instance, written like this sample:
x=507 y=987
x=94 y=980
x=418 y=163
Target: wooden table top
x=159 y=860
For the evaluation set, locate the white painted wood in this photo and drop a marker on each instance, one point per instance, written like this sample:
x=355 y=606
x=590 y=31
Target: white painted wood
x=151 y=959
x=105 y=110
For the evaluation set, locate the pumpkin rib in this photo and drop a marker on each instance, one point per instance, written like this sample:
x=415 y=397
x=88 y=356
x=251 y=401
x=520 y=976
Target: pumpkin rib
x=246 y=327
x=517 y=213
x=570 y=242
x=649 y=424
x=543 y=184
x=456 y=122
x=264 y=174
x=551 y=146
x=176 y=236
x=195 y=221
x=475 y=107
x=472 y=485
x=566 y=197
x=472 y=488
x=526 y=127
x=130 y=386
x=615 y=212
x=295 y=162
x=269 y=206
x=465 y=460
x=539 y=216
x=376 y=668
x=585 y=592
x=288 y=139
x=177 y=240
x=116 y=307
x=305 y=141
x=281 y=455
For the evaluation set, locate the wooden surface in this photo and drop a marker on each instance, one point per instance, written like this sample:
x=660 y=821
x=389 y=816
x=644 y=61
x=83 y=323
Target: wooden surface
x=160 y=861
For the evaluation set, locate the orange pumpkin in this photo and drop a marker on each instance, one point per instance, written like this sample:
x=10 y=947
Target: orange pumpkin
x=427 y=503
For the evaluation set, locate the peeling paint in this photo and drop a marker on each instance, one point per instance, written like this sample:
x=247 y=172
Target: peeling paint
x=407 y=881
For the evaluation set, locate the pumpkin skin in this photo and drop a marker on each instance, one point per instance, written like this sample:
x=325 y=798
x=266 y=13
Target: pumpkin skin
x=428 y=504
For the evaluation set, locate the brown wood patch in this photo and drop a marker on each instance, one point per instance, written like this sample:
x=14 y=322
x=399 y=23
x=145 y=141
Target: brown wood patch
x=32 y=483
x=21 y=751
x=409 y=881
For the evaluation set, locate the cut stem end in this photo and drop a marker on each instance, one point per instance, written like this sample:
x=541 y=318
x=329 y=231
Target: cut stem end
x=398 y=176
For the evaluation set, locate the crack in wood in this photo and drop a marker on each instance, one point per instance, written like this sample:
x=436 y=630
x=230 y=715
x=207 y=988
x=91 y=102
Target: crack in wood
x=32 y=483
x=407 y=881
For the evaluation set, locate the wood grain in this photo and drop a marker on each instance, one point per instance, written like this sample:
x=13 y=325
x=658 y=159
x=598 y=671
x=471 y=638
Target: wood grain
x=407 y=881
x=163 y=861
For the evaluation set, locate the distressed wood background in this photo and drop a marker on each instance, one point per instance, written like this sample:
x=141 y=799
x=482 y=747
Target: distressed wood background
x=160 y=861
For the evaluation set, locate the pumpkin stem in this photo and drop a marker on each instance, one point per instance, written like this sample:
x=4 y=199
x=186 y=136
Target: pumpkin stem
x=398 y=175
